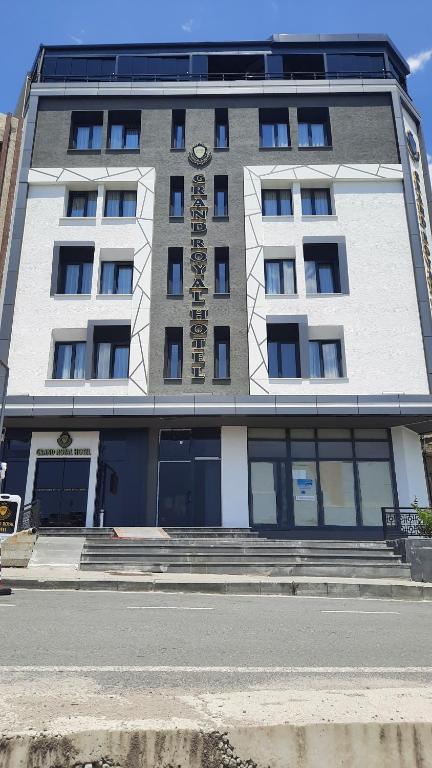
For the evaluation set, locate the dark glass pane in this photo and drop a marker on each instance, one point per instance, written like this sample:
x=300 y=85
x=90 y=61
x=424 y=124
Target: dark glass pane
x=112 y=203
x=302 y=449
x=120 y=369
x=63 y=361
x=205 y=442
x=175 y=444
x=129 y=204
x=326 y=278
x=288 y=355
x=175 y=494
x=124 y=279
x=271 y=449
x=373 y=450
x=336 y=450
x=207 y=493
x=87 y=273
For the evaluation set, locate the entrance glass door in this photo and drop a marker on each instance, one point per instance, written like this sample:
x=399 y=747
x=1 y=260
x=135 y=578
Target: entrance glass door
x=268 y=492
x=189 y=491
x=61 y=487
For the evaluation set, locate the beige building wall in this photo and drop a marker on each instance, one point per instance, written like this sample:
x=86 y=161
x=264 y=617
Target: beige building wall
x=10 y=133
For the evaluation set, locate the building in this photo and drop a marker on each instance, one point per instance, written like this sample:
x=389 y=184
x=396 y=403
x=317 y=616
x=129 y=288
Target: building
x=9 y=154
x=218 y=301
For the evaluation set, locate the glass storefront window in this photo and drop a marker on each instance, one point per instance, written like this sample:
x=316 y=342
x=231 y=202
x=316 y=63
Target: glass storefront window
x=304 y=480
x=375 y=490
x=264 y=487
x=174 y=444
x=337 y=486
x=302 y=434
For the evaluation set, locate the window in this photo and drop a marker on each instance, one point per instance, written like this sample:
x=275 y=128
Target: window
x=173 y=353
x=222 y=352
x=69 y=360
x=280 y=276
x=124 y=130
x=322 y=268
x=276 y=202
x=222 y=270
x=86 y=130
x=274 y=128
x=313 y=127
x=221 y=196
x=111 y=351
x=120 y=203
x=175 y=272
x=178 y=129
x=221 y=129
x=177 y=197
x=325 y=359
x=75 y=270
x=283 y=351
x=116 y=277
x=82 y=204
x=316 y=202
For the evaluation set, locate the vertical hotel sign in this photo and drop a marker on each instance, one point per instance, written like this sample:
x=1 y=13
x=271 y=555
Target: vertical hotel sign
x=199 y=156
x=421 y=212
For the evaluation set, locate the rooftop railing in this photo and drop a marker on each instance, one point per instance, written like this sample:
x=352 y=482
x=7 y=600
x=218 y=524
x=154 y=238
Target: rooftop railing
x=212 y=76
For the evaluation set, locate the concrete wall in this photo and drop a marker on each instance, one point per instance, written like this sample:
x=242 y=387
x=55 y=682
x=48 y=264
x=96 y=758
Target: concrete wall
x=409 y=467
x=235 y=477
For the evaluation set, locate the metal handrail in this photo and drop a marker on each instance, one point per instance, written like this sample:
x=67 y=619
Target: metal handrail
x=29 y=516
x=400 y=522
x=210 y=76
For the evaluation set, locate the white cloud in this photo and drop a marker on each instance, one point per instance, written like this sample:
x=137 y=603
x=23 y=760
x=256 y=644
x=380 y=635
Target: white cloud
x=187 y=25
x=419 y=60
x=78 y=40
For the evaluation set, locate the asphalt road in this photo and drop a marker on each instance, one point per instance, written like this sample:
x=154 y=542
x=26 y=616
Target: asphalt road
x=212 y=643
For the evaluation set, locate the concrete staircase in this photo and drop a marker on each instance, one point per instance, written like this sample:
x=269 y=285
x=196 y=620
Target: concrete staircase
x=236 y=551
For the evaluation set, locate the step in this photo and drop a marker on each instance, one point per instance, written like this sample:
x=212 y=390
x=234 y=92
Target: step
x=75 y=531
x=205 y=560
x=234 y=547
x=107 y=541
x=161 y=554
x=329 y=569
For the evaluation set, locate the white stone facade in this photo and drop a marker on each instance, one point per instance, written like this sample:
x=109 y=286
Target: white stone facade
x=40 y=318
x=378 y=317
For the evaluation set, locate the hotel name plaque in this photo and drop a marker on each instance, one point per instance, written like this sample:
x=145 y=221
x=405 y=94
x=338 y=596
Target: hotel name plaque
x=198 y=290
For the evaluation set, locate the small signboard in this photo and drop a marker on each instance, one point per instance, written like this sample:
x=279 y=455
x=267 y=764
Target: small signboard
x=9 y=513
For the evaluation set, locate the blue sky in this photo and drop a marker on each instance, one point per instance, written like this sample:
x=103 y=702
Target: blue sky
x=29 y=23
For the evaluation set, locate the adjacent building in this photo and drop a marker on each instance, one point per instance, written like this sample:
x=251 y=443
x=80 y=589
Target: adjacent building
x=9 y=154
x=218 y=299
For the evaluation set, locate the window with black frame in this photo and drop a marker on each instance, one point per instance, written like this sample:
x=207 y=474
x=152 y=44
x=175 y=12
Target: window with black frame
x=75 y=270
x=276 y=202
x=124 y=130
x=86 y=131
x=82 y=203
x=316 y=202
x=325 y=359
x=221 y=197
x=322 y=268
x=175 y=272
x=178 y=129
x=116 y=277
x=222 y=352
x=111 y=351
x=176 y=202
x=221 y=129
x=280 y=277
x=222 y=283
x=173 y=353
x=313 y=127
x=69 y=360
x=120 y=203
x=283 y=351
x=274 y=129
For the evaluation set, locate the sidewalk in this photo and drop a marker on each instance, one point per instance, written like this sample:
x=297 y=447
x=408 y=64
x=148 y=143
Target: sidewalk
x=61 y=577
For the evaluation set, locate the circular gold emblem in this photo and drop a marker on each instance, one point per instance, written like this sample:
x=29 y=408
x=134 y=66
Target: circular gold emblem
x=199 y=155
x=65 y=440
x=5 y=512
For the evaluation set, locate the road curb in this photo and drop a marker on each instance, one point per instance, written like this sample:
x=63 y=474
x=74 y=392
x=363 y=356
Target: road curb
x=300 y=589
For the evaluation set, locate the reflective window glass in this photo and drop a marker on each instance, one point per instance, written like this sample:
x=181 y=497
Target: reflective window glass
x=304 y=480
x=375 y=490
x=337 y=486
x=336 y=450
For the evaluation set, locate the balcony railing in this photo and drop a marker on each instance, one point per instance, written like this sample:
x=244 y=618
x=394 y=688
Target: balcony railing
x=400 y=522
x=212 y=76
